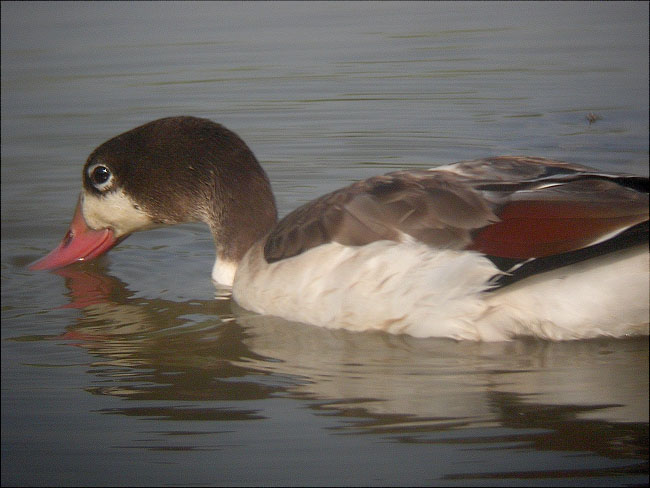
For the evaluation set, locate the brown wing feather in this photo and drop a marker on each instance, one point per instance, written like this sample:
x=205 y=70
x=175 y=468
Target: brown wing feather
x=429 y=206
x=515 y=207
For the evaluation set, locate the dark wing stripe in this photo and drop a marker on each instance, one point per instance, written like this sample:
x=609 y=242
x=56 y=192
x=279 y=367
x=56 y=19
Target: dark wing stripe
x=515 y=270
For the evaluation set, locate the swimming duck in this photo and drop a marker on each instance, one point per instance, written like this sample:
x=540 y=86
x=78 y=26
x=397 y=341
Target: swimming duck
x=488 y=250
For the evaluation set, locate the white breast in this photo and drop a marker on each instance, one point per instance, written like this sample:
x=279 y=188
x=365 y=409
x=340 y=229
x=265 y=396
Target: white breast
x=412 y=289
x=395 y=287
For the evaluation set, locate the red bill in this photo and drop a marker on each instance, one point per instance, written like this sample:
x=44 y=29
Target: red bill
x=81 y=243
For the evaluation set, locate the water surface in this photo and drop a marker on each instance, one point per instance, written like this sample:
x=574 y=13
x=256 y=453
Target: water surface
x=127 y=370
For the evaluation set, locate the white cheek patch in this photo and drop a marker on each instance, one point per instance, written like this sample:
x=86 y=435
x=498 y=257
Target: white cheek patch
x=115 y=210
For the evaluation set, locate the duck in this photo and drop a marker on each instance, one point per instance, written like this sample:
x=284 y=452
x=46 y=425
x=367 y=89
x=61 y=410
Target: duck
x=485 y=250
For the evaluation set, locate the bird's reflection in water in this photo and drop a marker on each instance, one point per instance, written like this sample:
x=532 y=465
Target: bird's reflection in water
x=571 y=396
x=159 y=349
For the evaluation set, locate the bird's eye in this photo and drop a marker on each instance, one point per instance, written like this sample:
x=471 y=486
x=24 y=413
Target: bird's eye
x=100 y=176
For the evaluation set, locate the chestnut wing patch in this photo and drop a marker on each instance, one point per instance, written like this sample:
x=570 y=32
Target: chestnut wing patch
x=560 y=217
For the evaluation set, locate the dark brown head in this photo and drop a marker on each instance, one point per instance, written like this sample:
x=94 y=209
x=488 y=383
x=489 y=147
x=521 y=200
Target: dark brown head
x=174 y=170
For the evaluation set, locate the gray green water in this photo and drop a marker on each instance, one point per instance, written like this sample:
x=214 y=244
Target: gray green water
x=128 y=371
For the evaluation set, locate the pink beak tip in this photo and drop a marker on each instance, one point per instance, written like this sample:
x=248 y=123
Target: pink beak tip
x=81 y=243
